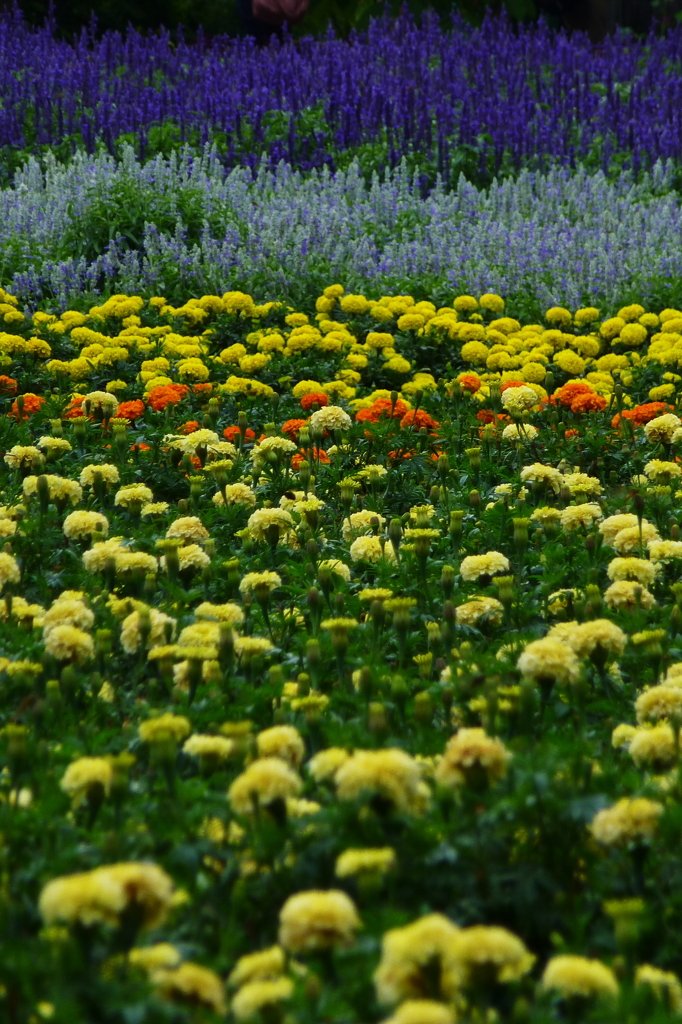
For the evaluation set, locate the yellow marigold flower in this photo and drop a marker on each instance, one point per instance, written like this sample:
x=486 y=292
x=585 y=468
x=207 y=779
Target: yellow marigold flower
x=370 y=549
x=267 y=963
x=408 y=956
x=154 y=958
x=133 y=494
x=317 y=920
x=472 y=612
x=67 y=643
x=654 y=748
x=626 y=821
x=540 y=474
x=356 y=305
x=664 y=701
x=326 y=763
x=571 y=975
x=665 y=984
x=490 y=301
x=384 y=777
x=489 y=564
x=577 y=482
x=9 y=569
x=79 y=525
x=257 y=583
x=613 y=525
x=247 y=647
x=164 y=727
x=236 y=494
x=662 y=550
x=283 y=741
x=103 y=894
x=549 y=659
x=189 y=529
x=487 y=954
x=570 y=362
x=583 y=638
x=662 y=472
x=422 y=1011
x=265 y=781
x=360 y=862
x=265 y=520
x=662 y=428
x=628 y=540
x=559 y=316
x=87 y=775
x=228 y=612
x=209 y=748
x=107 y=472
x=156 y=624
x=639 y=569
x=474 y=352
x=190 y=983
x=264 y=994
x=628 y=594
x=472 y=757
x=622 y=735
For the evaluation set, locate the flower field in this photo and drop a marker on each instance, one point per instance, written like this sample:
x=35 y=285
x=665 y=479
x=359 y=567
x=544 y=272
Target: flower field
x=342 y=661
x=340 y=512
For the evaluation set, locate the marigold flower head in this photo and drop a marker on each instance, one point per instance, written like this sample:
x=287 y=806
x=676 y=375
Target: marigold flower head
x=358 y=862
x=665 y=984
x=325 y=764
x=387 y=778
x=86 y=773
x=262 y=994
x=265 y=781
x=283 y=741
x=664 y=701
x=165 y=727
x=549 y=659
x=627 y=821
x=317 y=920
x=193 y=984
x=101 y=895
x=407 y=958
x=470 y=757
x=571 y=975
x=490 y=563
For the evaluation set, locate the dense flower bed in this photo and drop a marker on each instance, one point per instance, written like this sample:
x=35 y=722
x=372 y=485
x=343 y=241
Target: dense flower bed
x=342 y=661
x=182 y=226
x=484 y=100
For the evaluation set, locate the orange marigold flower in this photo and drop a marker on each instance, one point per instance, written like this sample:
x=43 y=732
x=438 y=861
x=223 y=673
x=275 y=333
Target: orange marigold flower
x=292 y=427
x=641 y=414
x=139 y=447
x=315 y=398
x=189 y=427
x=381 y=409
x=32 y=404
x=73 y=410
x=166 y=394
x=470 y=382
x=8 y=385
x=202 y=389
x=232 y=434
x=569 y=392
x=417 y=418
x=506 y=384
x=571 y=433
x=318 y=453
x=588 y=402
x=131 y=410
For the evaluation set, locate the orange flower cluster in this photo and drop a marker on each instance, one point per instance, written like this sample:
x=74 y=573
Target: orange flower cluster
x=189 y=427
x=232 y=434
x=131 y=410
x=8 y=385
x=31 y=404
x=417 y=418
x=319 y=454
x=166 y=394
x=641 y=414
x=381 y=409
x=317 y=398
x=470 y=382
x=292 y=427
